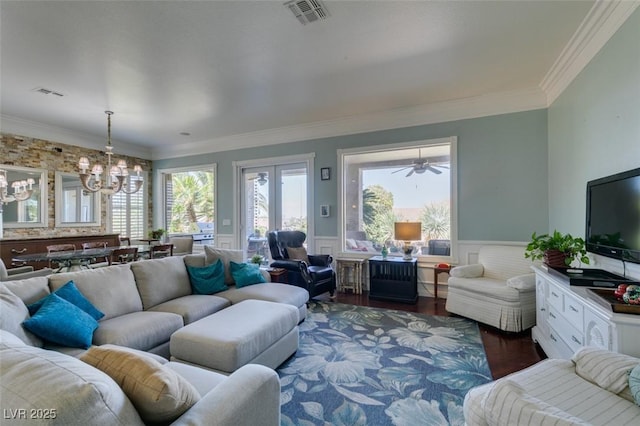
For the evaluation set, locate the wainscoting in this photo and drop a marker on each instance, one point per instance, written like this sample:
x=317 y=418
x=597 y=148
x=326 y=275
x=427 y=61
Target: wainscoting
x=464 y=252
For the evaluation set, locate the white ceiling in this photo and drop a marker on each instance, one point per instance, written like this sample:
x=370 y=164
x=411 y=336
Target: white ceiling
x=220 y=69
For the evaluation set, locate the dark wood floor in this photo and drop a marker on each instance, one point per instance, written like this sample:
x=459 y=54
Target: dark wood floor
x=506 y=352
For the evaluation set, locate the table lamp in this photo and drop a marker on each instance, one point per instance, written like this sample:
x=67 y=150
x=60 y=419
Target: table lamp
x=407 y=232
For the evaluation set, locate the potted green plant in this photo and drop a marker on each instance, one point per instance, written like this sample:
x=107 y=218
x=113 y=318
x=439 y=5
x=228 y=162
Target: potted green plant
x=156 y=234
x=556 y=249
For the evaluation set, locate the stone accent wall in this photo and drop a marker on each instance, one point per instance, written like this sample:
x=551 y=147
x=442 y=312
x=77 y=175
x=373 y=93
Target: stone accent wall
x=54 y=156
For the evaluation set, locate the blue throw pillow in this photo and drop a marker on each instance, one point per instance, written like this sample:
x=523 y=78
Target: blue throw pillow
x=207 y=280
x=245 y=274
x=634 y=383
x=70 y=293
x=62 y=322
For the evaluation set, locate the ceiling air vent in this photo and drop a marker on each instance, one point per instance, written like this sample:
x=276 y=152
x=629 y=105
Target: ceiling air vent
x=47 y=91
x=307 y=10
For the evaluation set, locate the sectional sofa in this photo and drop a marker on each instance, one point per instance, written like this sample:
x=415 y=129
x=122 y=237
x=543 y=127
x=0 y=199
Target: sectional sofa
x=143 y=303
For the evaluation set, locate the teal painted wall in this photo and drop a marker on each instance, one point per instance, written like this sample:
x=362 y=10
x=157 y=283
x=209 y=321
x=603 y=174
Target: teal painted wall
x=502 y=172
x=594 y=126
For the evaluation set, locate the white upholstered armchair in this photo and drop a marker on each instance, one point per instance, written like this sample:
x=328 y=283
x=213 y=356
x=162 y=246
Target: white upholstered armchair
x=499 y=290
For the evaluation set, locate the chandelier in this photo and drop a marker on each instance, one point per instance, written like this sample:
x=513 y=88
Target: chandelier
x=115 y=180
x=20 y=190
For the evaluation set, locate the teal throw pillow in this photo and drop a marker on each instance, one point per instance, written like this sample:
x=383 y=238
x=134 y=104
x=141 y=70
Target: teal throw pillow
x=208 y=279
x=70 y=293
x=245 y=274
x=634 y=383
x=62 y=322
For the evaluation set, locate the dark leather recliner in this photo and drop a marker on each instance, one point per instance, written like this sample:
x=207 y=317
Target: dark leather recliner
x=317 y=277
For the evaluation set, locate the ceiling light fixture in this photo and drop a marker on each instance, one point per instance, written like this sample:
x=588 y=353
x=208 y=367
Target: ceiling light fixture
x=116 y=179
x=20 y=190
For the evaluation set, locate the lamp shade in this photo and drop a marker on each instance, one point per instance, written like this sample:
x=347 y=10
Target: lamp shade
x=408 y=231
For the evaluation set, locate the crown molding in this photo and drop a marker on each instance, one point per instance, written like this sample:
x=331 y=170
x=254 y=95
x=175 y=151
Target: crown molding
x=602 y=21
x=479 y=106
x=35 y=130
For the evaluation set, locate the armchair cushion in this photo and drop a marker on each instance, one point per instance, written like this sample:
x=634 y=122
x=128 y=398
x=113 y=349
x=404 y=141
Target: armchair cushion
x=467 y=271
x=298 y=253
x=608 y=370
x=522 y=282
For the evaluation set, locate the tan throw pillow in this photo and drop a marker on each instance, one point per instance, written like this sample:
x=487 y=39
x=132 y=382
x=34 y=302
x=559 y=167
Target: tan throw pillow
x=158 y=393
x=298 y=253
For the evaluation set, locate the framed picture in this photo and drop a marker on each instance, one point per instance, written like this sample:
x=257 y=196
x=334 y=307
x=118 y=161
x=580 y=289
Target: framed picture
x=325 y=210
x=325 y=173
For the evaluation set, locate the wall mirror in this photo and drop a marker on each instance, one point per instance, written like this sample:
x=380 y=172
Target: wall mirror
x=28 y=208
x=75 y=206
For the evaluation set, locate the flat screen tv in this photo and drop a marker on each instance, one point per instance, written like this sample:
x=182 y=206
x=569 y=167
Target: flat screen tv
x=613 y=216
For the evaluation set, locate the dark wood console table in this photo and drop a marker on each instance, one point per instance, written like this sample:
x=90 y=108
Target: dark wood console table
x=10 y=248
x=393 y=279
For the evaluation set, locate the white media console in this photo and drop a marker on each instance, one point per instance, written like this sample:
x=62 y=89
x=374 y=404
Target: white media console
x=568 y=317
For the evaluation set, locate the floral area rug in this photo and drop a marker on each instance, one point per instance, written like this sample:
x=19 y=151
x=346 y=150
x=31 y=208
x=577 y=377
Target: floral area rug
x=365 y=366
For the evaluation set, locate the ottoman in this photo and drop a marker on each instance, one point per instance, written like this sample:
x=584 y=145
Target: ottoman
x=250 y=332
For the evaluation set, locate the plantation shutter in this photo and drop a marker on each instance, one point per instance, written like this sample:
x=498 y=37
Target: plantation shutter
x=127 y=212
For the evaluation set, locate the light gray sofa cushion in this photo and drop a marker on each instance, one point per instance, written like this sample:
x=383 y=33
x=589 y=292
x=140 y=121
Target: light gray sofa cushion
x=248 y=397
x=192 y=307
x=233 y=337
x=36 y=379
x=197 y=260
x=160 y=280
x=225 y=255
x=142 y=330
x=30 y=290
x=271 y=292
x=13 y=312
x=111 y=289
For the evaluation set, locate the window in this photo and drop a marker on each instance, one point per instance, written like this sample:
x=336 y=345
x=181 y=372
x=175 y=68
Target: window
x=129 y=211
x=385 y=184
x=189 y=202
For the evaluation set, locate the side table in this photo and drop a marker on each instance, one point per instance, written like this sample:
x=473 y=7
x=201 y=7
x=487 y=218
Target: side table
x=278 y=275
x=350 y=274
x=438 y=270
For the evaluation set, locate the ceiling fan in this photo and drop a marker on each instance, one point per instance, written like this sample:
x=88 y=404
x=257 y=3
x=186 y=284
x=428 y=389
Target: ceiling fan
x=261 y=178
x=420 y=165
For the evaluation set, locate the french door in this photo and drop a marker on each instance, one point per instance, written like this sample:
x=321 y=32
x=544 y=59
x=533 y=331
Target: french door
x=274 y=197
